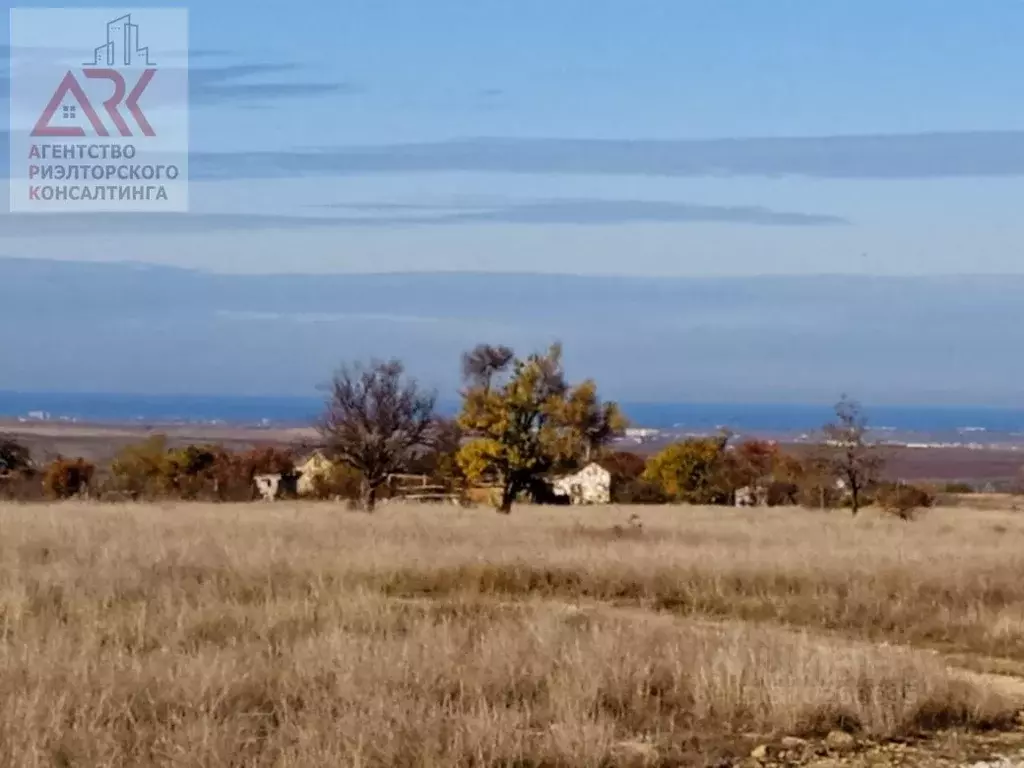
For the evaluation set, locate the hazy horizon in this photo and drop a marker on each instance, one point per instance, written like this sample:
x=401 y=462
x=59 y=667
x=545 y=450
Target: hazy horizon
x=805 y=339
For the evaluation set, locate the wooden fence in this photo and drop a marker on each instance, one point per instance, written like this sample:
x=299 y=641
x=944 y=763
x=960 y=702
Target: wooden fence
x=419 y=488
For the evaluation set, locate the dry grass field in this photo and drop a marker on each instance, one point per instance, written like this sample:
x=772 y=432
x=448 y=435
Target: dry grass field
x=306 y=635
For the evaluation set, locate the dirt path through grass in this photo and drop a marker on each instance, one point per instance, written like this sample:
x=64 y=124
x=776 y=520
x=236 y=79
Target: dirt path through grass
x=1003 y=748
x=1004 y=677
x=1011 y=687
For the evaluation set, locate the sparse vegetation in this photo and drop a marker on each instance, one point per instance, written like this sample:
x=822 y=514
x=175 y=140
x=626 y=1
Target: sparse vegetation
x=298 y=635
x=295 y=635
x=958 y=488
x=903 y=500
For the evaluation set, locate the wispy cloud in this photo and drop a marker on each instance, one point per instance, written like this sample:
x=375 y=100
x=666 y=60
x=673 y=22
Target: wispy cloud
x=891 y=156
x=76 y=224
x=325 y=317
x=219 y=85
x=228 y=84
x=579 y=212
x=590 y=212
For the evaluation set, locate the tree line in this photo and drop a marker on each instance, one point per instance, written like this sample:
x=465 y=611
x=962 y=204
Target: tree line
x=521 y=422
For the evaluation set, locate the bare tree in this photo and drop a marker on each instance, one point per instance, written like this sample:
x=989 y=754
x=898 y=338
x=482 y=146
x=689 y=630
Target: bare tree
x=853 y=460
x=483 y=362
x=376 y=418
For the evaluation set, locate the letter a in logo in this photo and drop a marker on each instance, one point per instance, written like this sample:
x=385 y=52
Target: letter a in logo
x=70 y=85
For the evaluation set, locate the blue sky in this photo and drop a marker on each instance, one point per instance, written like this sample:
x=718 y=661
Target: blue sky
x=652 y=138
x=660 y=137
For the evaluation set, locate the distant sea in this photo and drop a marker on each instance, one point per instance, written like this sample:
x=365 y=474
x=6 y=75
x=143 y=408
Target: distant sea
x=959 y=423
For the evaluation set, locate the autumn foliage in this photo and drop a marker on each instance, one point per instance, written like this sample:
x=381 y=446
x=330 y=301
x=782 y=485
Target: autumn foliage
x=524 y=421
x=67 y=478
x=522 y=424
x=153 y=469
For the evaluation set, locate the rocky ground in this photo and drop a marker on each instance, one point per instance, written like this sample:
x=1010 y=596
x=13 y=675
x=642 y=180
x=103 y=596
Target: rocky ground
x=840 y=750
x=947 y=749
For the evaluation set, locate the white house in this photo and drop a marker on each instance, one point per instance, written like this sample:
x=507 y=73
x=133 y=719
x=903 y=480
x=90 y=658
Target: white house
x=268 y=486
x=591 y=485
x=275 y=486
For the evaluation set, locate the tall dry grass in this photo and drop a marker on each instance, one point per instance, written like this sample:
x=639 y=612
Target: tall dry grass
x=303 y=635
x=952 y=580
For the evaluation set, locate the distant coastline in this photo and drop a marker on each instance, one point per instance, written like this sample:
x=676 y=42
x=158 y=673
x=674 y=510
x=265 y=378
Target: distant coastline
x=932 y=426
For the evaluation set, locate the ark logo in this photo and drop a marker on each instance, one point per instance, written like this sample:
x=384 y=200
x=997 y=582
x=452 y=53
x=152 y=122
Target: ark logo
x=121 y=48
x=98 y=110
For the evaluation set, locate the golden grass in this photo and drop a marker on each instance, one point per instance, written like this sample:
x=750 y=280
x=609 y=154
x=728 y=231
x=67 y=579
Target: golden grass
x=305 y=635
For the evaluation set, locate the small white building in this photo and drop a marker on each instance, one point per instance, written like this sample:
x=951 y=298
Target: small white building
x=591 y=485
x=268 y=486
x=275 y=486
x=746 y=497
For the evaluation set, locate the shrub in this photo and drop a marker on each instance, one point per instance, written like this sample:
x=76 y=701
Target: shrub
x=903 y=500
x=628 y=486
x=21 y=486
x=190 y=472
x=817 y=485
x=143 y=470
x=638 y=491
x=18 y=478
x=268 y=460
x=963 y=488
x=343 y=482
x=67 y=478
x=153 y=470
x=233 y=473
x=691 y=471
x=752 y=463
x=782 y=494
x=14 y=457
x=624 y=465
